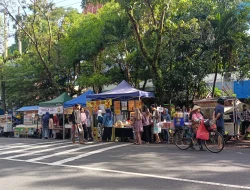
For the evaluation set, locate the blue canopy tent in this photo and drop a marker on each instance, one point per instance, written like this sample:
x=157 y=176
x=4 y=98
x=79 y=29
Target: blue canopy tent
x=28 y=108
x=79 y=100
x=122 y=91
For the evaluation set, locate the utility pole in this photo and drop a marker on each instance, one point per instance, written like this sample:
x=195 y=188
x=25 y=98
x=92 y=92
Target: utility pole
x=18 y=33
x=3 y=98
x=5 y=35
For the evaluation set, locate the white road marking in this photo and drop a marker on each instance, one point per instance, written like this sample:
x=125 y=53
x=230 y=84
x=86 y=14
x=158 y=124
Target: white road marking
x=239 y=153
x=39 y=151
x=28 y=145
x=32 y=147
x=140 y=174
x=64 y=152
x=88 y=154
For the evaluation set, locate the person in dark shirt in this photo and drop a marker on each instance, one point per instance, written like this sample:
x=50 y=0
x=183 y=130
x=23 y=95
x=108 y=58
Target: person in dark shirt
x=246 y=119
x=218 y=117
x=76 y=121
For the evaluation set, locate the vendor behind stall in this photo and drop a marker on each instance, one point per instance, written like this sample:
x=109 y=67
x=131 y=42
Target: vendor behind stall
x=246 y=119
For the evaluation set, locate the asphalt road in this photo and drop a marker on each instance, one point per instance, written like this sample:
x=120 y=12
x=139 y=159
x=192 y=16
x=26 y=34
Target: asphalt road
x=32 y=164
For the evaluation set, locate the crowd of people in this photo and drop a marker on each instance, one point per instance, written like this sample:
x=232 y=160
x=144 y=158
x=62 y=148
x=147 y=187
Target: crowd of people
x=146 y=123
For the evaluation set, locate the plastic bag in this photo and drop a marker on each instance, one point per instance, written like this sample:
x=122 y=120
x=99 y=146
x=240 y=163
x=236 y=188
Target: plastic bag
x=202 y=132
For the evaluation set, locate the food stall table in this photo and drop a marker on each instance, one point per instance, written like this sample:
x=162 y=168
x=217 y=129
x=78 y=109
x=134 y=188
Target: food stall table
x=25 y=130
x=125 y=132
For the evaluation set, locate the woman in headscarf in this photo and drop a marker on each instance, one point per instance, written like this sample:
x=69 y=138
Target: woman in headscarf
x=107 y=124
x=138 y=127
x=88 y=124
x=99 y=119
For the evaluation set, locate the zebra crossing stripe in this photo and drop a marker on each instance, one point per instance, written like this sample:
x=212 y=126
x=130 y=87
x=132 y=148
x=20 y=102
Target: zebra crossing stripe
x=65 y=152
x=33 y=147
x=88 y=154
x=39 y=151
x=28 y=145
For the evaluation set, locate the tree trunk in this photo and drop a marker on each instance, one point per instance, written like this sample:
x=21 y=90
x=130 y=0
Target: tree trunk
x=158 y=83
x=144 y=84
x=215 y=78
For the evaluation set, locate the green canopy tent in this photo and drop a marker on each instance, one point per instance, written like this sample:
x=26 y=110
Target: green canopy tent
x=57 y=102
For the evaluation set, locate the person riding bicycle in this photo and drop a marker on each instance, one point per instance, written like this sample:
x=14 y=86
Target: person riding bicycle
x=196 y=119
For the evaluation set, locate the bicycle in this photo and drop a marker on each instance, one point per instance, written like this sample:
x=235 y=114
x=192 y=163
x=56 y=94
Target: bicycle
x=183 y=139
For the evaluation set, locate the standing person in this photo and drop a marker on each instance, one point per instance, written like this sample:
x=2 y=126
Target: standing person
x=197 y=117
x=88 y=124
x=246 y=119
x=83 y=121
x=45 y=126
x=166 y=117
x=218 y=116
x=138 y=127
x=76 y=120
x=156 y=120
x=146 y=119
x=107 y=124
x=51 y=125
x=99 y=124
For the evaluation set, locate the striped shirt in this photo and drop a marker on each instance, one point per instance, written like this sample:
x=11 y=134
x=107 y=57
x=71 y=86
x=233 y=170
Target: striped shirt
x=246 y=115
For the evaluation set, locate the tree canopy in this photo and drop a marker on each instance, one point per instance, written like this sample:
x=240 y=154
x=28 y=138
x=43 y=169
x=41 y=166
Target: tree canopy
x=175 y=44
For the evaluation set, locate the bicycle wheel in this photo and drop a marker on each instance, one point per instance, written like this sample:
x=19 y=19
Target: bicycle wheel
x=215 y=143
x=182 y=139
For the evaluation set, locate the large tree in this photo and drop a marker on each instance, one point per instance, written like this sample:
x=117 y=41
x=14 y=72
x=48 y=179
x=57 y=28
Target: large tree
x=149 y=21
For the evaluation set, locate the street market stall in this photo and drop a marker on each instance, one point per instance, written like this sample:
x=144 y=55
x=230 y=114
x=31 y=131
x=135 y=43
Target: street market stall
x=30 y=122
x=122 y=100
x=6 y=124
x=78 y=100
x=56 y=107
x=232 y=107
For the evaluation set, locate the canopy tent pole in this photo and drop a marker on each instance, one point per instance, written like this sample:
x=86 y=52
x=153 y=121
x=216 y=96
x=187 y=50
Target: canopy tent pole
x=63 y=125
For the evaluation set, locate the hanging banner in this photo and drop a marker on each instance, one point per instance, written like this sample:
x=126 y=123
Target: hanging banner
x=51 y=110
x=88 y=105
x=131 y=105
x=29 y=118
x=124 y=105
x=98 y=102
x=138 y=104
x=108 y=103
x=117 y=107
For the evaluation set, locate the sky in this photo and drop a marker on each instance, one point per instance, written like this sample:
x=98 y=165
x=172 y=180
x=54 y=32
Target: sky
x=59 y=3
x=69 y=3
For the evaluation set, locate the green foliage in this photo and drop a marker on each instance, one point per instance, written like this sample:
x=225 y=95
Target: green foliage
x=175 y=43
x=217 y=92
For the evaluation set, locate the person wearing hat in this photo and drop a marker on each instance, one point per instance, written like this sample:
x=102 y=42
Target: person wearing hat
x=196 y=118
